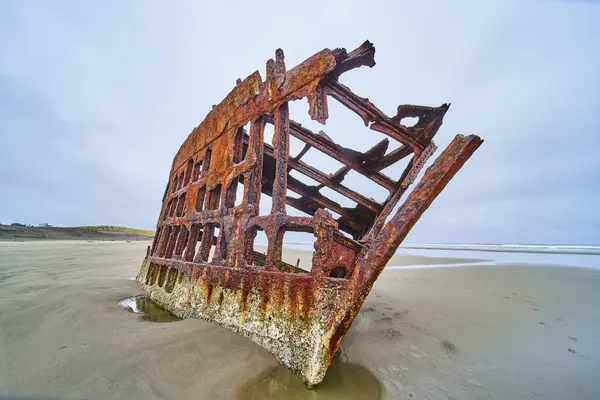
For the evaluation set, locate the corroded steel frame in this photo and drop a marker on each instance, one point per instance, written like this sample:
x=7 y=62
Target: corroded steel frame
x=299 y=316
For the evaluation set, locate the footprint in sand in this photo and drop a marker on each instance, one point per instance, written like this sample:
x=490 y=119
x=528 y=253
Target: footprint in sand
x=449 y=347
x=573 y=339
x=401 y=314
x=571 y=350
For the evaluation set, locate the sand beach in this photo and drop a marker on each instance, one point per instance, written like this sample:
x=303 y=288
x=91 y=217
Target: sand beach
x=471 y=331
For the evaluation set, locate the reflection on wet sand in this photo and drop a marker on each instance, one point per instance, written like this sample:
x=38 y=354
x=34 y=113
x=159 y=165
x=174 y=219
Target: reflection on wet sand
x=343 y=381
x=150 y=311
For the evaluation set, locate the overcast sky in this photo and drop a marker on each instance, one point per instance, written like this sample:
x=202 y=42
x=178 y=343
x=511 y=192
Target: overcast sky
x=96 y=98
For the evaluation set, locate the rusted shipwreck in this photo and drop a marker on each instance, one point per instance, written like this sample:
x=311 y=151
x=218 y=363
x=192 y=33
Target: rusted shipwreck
x=299 y=316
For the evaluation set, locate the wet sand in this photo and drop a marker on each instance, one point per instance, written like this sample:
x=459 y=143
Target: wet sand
x=501 y=332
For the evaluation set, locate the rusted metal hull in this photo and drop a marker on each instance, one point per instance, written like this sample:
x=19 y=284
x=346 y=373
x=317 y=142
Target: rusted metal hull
x=299 y=316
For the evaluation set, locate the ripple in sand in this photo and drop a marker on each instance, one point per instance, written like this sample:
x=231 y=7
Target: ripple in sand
x=150 y=311
x=343 y=381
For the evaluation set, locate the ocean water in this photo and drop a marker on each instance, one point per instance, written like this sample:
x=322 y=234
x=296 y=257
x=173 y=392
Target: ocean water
x=547 y=248
x=584 y=256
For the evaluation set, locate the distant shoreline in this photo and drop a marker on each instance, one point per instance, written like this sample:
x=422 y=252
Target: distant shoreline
x=20 y=233
x=503 y=250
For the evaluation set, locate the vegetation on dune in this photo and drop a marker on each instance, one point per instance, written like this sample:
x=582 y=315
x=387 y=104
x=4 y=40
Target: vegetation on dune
x=111 y=228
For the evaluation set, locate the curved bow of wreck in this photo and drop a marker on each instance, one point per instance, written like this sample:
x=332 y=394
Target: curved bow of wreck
x=299 y=316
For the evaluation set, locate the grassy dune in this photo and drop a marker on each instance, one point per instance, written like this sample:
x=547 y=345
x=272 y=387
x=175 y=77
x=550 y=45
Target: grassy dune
x=99 y=232
x=124 y=229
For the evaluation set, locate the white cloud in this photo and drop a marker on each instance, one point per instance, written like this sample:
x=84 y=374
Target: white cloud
x=102 y=95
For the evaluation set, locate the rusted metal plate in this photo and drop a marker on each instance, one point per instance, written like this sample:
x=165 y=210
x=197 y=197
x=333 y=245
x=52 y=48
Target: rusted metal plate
x=418 y=165
x=203 y=262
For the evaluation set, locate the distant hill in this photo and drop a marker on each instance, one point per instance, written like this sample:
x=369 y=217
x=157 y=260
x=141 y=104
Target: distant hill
x=100 y=232
x=123 y=229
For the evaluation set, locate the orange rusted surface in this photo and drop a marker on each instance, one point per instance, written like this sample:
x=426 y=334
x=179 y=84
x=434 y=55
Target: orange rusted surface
x=300 y=316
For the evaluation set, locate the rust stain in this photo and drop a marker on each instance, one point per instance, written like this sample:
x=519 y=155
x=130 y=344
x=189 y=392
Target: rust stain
x=209 y=291
x=228 y=149
x=220 y=300
x=246 y=288
x=265 y=285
